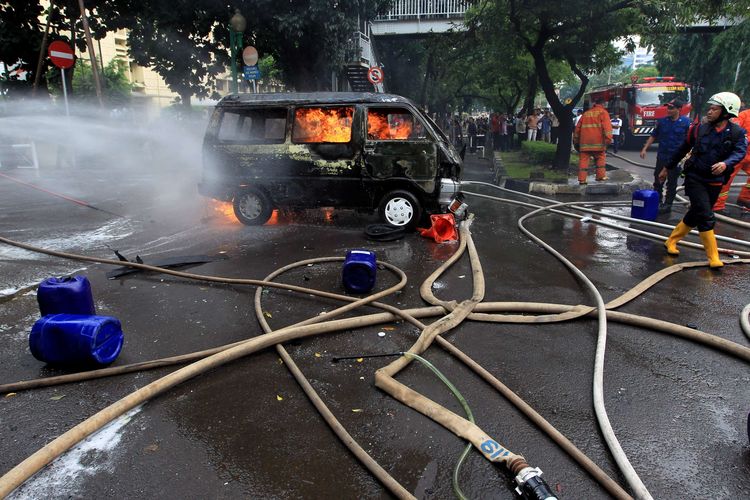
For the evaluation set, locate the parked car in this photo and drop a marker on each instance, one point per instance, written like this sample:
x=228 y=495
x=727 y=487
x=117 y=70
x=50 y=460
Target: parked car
x=346 y=150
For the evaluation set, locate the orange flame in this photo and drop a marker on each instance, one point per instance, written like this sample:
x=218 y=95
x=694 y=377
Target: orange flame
x=225 y=210
x=323 y=124
x=386 y=126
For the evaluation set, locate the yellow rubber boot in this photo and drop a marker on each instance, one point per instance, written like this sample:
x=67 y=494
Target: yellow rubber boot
x=712 y=250
x=680 y=231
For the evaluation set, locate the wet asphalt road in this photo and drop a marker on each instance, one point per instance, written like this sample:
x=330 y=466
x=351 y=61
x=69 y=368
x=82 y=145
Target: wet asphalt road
x=246 y=430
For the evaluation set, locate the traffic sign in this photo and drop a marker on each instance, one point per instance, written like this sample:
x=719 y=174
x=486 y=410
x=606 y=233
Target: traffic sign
x=61 y=54
x=375 y=75
x=250 y=56
x=252 y=73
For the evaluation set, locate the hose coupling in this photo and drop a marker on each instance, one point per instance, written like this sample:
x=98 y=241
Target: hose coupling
x=531 y=486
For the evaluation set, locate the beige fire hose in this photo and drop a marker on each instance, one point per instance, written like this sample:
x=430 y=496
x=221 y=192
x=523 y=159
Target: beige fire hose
x=389 y=317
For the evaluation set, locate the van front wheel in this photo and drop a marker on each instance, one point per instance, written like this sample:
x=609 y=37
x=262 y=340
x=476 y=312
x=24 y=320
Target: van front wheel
x=400 y=209
x=252 y=207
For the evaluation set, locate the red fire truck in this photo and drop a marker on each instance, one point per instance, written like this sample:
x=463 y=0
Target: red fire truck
x=640 y=104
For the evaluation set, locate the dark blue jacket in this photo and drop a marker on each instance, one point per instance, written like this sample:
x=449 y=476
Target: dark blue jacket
x=670 y=134
x=709 y=147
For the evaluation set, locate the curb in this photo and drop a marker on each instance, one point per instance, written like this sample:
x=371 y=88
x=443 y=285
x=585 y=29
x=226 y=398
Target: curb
x=551 y=188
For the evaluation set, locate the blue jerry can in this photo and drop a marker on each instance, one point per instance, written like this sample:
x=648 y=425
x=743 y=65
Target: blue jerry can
x=76 y=339
x=70 y=295
x=645 y=205
x=359 y=270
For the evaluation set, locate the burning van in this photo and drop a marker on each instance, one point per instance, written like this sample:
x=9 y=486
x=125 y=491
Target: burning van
x=345 y=150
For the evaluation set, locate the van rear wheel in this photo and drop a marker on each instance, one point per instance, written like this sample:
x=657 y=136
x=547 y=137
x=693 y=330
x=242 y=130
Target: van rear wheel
x=252 y=207
x=400 y=209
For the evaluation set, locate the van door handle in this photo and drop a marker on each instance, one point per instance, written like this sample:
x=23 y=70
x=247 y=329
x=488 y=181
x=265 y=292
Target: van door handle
x=369 y=149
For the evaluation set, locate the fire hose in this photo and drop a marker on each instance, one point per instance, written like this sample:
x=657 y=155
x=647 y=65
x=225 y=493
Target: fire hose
x=171 y=382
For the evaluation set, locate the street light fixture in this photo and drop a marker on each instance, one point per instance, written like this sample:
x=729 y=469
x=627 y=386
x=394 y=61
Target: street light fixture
x=237 y=25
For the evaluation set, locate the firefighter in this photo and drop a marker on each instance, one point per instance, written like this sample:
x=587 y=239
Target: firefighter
x=592 y=135
x=715 y=147
x=743 y=120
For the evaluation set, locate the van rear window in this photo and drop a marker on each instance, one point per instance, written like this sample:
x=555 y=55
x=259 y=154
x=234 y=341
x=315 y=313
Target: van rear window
x=393 y=124
x=253 y=126
x=317 y=124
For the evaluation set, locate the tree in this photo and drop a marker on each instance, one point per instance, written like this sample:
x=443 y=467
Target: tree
x=578 y=33
x=308 y=38
x=116 y=89
x=709 y=60
x=20 y=37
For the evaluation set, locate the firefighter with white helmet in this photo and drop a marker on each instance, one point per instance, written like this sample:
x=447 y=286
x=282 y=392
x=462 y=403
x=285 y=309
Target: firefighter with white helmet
x=716 y=147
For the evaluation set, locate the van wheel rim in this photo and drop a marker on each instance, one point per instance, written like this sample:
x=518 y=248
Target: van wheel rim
x=399 y=211
x=250 y=206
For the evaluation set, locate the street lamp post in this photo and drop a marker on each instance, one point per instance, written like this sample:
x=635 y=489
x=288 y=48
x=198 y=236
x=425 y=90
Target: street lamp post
x=237 y=25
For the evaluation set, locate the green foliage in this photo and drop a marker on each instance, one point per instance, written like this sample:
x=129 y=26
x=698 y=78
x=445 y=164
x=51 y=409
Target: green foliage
x=538 y=152
x=20 y=37
x=269 y=69
x=709 y=60
x=518 y=165
x=308 y=38
x=116 y=87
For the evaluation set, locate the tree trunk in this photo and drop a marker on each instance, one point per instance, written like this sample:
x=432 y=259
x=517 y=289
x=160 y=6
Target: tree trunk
x=564 y=112
x=185 y=96
x=531 y=87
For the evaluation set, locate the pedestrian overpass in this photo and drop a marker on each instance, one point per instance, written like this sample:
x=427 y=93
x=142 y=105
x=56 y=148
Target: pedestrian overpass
x=420 y=17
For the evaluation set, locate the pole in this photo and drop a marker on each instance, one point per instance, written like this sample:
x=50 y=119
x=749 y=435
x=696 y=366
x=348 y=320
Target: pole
x=92 y=55
x=65 y=92
x=255 y=89
x=739 y=64
x=42 y=50
x=233 y=55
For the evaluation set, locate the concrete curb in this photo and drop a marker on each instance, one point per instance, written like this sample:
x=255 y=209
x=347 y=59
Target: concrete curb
x=550 y=188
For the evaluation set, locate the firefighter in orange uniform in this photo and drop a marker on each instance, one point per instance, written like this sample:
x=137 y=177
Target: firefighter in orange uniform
x=592 y=135
x=743 y=120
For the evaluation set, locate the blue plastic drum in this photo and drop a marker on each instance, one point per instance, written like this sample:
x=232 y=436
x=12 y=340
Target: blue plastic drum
x=359 y=271
x=74 y=339
x=70 y=295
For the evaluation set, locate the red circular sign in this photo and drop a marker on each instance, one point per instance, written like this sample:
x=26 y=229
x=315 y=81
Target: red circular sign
x=375 y=75
x=61 y=54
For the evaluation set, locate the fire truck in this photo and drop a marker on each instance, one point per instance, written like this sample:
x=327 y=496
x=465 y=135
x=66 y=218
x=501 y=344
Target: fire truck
x=640 y=104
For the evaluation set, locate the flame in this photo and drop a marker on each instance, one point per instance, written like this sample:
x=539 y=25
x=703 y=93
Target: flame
x=225 y=210
x=323 y=124
x=387 y=126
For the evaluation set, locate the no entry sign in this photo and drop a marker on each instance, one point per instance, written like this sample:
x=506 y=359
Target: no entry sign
x=375 y=75
x=61 y=54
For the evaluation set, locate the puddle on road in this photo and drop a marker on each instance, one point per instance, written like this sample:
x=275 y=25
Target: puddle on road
x=89 y=458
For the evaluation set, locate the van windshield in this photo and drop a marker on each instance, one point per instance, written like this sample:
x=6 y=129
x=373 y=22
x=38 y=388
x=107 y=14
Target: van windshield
x=316 y=124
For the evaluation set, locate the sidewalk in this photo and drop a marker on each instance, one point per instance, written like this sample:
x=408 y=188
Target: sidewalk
x=490 y=169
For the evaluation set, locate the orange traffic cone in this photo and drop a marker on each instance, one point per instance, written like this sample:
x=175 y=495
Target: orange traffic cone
x=443 y=228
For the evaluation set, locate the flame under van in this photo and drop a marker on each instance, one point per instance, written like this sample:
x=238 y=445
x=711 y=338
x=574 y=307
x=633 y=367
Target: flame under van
x=333 y=149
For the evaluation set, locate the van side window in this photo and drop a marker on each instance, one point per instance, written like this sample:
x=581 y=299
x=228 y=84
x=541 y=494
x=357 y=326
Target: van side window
x=257 y=126
x=318 y=124
x=393 y=124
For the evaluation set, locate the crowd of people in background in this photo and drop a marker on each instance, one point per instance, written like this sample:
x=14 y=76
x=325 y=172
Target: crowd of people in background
x=502 y=131
x=505 y=132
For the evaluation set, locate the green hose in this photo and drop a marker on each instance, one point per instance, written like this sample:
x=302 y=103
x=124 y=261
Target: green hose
x=469 y=417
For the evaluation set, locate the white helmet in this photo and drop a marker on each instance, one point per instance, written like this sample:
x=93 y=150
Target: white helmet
x=729 y=100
